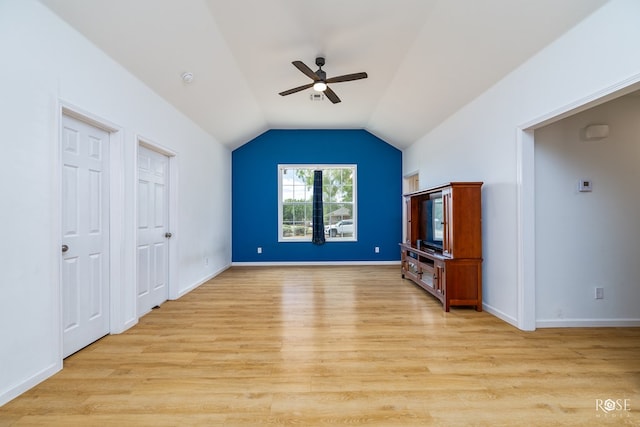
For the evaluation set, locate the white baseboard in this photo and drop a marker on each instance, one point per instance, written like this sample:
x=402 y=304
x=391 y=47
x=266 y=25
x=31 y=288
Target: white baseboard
x=202 y=281
x=587 y=323
x=29 y=383
x=310 y=263
x=125 y=327
x=565 y=323
x=500 y=314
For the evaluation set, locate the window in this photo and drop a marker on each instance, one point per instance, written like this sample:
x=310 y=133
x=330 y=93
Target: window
x=295 y=202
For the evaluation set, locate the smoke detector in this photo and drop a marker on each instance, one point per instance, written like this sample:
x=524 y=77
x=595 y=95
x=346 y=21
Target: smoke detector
x=187 y=77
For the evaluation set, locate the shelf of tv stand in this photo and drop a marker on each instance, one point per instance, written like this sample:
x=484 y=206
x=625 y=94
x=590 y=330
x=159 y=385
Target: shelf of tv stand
x=455 y=282
x=422 y=267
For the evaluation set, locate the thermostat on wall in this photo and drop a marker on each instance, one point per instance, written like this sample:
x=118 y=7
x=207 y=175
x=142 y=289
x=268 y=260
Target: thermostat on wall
x=584 y=186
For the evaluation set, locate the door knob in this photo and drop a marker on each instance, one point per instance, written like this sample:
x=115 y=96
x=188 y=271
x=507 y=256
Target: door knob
x=168 y=235
x=65 y=248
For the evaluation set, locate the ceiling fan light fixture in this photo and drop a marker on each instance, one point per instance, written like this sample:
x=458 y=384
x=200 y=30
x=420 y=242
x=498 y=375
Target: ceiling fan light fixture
x=320 y=86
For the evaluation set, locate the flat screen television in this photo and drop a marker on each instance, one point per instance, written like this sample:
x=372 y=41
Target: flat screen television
x=431 y=227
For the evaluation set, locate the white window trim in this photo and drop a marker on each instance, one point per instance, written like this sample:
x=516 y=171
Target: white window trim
x=280 y=167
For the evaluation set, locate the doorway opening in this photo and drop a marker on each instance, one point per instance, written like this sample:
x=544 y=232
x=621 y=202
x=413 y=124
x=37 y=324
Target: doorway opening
x=526 y=193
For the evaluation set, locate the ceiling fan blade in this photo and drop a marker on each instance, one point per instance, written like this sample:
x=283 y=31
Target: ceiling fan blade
x=306 y=70
x=347 y=78
x=331 y=95
x=296 y=89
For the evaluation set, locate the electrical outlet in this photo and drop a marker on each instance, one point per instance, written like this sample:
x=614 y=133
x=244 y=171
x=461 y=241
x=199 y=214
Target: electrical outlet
x=599 y=293
x=259 y=250
x=377 y=250
x=206 y=261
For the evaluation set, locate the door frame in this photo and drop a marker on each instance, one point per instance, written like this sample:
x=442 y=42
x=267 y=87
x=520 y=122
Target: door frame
x=116 y=219
x=525 y=184
x=172 y=189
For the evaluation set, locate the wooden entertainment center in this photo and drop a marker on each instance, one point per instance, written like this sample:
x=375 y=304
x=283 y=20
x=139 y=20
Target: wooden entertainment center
x=442 y=252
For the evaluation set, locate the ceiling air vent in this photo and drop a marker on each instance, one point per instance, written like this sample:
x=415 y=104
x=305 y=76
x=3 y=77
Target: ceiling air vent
x=317 y=97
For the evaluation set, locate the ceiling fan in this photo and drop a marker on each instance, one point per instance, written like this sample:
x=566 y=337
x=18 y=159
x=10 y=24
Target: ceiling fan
x=320 y=80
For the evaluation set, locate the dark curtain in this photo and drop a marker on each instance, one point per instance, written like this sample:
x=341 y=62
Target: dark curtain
x=318 y=221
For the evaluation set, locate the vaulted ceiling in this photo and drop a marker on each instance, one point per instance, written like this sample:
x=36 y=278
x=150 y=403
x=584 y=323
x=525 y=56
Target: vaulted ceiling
x=425 y=58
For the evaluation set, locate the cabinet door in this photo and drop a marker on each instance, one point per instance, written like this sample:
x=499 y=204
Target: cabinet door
x=428 y=275
x=410 y=267
x=447 y=224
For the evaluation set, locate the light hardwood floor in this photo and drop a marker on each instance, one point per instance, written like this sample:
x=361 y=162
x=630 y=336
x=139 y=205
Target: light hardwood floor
x=318 y=346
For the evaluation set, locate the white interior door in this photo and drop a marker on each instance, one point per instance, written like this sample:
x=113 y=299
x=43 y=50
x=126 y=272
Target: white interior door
x=153 y=232
x=85 y=234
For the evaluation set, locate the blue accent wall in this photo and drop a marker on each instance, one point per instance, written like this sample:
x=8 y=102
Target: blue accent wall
x=255 y=195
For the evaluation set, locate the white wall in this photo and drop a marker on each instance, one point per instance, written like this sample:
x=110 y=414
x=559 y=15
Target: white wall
x=44 y=64
x=588 y=240
x=479 y=141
